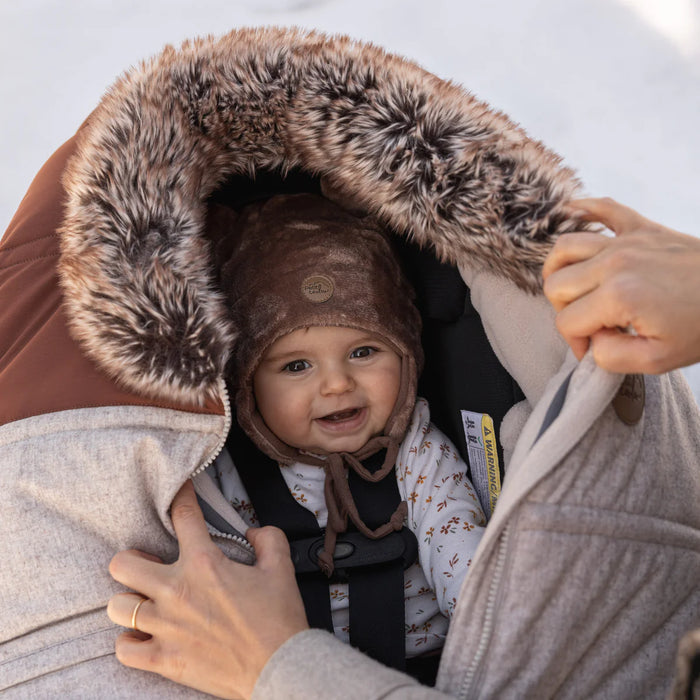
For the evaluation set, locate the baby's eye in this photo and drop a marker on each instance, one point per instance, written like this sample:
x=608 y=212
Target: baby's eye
x=364 y=351
x=296 y=366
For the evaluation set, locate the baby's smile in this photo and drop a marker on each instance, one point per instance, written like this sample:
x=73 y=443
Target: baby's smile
x=346 y=420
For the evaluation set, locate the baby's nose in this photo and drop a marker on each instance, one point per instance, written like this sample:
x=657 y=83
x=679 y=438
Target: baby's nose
x=337 y=380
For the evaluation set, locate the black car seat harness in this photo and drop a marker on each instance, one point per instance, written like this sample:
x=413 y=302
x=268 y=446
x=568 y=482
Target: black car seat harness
x=373 y=569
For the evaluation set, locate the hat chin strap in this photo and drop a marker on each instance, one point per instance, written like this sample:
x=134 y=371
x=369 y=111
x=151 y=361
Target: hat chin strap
x=338 y=496
x=341 y=504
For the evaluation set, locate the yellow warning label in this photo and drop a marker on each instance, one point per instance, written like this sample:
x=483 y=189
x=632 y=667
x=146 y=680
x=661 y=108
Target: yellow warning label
x=482 y=452
x=492 y=471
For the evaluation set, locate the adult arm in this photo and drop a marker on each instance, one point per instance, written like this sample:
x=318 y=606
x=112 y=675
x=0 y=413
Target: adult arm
x=634 y=298
x=237 y=631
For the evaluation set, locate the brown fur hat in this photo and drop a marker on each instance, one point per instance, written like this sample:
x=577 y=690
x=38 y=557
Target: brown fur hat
x=296 y=261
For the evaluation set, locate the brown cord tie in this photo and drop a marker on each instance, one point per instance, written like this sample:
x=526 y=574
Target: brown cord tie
x=341 y=504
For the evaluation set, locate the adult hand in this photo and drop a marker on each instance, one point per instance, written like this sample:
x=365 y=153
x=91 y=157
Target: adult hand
x=635 y=297
x=208 y=622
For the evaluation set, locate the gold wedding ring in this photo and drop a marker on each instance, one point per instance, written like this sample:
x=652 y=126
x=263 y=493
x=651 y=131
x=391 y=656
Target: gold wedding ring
x=133 y=614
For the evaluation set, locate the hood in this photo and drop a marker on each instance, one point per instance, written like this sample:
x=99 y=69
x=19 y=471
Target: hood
x=430 y=161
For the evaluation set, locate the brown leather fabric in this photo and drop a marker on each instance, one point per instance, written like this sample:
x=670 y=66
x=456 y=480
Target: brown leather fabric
x=42 y=369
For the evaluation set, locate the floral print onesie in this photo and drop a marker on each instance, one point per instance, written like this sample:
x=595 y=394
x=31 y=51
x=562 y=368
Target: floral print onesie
x=443 y=512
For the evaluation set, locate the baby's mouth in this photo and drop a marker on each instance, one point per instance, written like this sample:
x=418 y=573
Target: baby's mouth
x=347 y=414
x=343 y=422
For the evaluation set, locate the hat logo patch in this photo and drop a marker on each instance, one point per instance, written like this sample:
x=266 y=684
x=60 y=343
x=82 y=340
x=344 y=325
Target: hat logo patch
x=317 y=288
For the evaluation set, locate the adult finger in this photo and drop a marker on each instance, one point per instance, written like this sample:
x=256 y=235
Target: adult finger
x=588 y=315
x=570 y=283
x=188 y=521
x=565 y=281
x=137 y=570
x=573 y=248
x=617 y=351
x=605 y=210
x=151 y=654
x=122 y=610
x=271 y=547
x=136 y=650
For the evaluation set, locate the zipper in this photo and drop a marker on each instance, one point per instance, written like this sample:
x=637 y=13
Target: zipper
x=226 y=401
x=469 y=679
x=489 y=615
x=242 y=541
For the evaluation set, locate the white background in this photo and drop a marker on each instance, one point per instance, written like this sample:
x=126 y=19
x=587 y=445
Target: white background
x=612 y=85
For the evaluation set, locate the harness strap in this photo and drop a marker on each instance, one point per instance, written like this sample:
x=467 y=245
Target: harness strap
x=377 y=605
x=376 y=590
x=274 y=505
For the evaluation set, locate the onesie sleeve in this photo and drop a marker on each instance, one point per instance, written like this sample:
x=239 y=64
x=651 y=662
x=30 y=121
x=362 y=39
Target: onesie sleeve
x=443 y=510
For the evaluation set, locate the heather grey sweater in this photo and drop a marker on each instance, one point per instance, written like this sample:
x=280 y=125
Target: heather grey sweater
x=113 y=342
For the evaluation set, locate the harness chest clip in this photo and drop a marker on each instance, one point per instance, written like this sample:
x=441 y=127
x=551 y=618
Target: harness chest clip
x=353 y=550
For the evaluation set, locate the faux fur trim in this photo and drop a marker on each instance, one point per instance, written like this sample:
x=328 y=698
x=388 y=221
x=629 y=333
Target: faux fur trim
x=427 y=158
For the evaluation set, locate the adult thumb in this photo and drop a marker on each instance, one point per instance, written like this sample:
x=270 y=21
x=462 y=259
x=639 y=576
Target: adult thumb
x=188 y=521
x=271 y=547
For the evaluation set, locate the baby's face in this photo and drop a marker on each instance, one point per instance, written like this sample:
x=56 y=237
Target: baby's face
x=327 y=388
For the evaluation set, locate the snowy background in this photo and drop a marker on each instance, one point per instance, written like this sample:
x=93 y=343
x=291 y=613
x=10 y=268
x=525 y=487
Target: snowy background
x=611 y=85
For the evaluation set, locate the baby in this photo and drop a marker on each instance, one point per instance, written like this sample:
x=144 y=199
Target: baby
x=324 y=375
